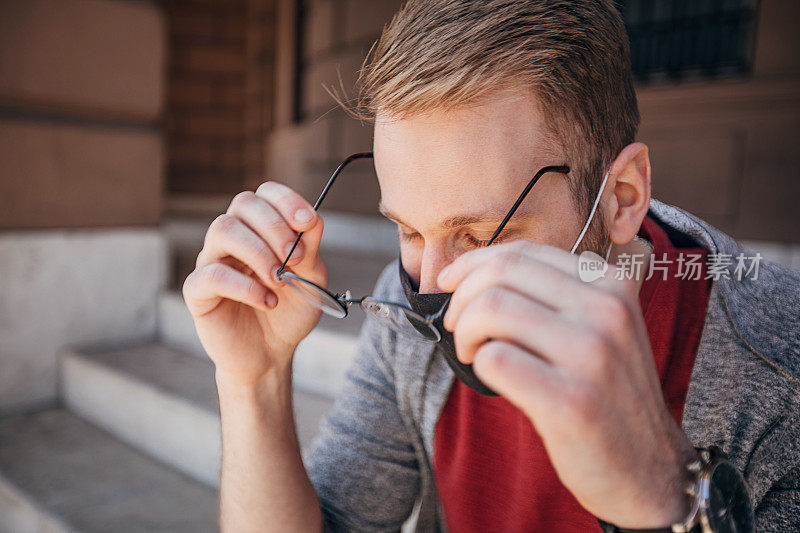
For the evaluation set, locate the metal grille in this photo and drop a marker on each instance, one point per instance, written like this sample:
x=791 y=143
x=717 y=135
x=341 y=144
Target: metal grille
x=689 y=38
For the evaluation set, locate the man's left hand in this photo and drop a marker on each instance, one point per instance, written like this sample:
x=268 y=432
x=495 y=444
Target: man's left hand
x=576 y=359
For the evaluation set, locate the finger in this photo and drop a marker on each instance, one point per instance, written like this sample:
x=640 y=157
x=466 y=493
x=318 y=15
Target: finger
x=295 y=209
x=206 y=287
x=297 y=212
x=502 y=314
x=550 y=286
x=522 y=378
x=450 y=277
x=229 y=236
x=265 y=220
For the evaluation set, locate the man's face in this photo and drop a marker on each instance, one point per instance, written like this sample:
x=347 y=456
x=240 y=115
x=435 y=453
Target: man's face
x=448 y=178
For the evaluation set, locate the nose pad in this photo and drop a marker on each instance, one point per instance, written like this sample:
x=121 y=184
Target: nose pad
x=379 y=309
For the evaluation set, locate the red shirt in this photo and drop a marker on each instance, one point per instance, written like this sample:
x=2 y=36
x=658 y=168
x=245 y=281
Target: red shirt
x=491 y=468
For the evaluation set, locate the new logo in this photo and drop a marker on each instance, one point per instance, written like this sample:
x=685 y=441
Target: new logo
x=591 y=266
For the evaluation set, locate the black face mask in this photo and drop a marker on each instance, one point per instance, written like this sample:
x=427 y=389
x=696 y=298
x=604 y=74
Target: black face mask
x=428 y=304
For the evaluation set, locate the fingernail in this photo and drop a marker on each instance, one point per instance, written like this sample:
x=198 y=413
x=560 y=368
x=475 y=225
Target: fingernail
x=297 y=255
x=303 y=215
x=272 y=300
x=443 y=273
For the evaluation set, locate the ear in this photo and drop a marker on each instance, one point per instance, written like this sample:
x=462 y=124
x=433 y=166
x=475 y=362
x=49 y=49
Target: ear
x=629 y=181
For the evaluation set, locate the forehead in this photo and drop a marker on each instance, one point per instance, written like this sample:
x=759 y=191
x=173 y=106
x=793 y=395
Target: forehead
x=463 y=160
x=503 y=123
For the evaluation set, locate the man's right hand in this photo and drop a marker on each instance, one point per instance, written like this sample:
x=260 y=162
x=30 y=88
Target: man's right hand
x=247 y=320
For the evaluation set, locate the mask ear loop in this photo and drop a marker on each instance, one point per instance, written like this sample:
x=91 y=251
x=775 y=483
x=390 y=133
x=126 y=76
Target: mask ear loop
x=591 y=216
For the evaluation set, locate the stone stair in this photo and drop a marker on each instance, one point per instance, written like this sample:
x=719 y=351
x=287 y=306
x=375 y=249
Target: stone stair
x=148 y=409
x=134 y=442
x=60 y=474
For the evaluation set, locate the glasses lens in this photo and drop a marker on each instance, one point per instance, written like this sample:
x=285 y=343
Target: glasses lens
x=314 y=295
x=398 y=318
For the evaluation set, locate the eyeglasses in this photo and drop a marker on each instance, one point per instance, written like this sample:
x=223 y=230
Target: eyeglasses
x=392 y=314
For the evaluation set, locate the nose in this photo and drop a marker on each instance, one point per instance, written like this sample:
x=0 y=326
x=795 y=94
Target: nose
x=433 y=261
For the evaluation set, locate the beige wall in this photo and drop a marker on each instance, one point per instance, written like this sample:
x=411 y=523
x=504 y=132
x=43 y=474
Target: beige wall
x=81 y=153
x=81 y=91
x=725 y=150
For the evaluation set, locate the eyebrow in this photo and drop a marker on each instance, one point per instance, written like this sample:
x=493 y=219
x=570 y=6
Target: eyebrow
x=457 y=221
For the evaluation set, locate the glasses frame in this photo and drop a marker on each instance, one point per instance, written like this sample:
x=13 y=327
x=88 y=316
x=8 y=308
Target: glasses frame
x=345 y=300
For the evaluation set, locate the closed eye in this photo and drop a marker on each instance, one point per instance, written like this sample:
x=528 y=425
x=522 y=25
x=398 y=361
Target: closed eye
x=477 y=243
x=408 y=236
x=470 y=239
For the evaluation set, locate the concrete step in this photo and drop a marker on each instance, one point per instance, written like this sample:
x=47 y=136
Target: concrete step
x=162 y=401
x=175 y=325
x=60 y=474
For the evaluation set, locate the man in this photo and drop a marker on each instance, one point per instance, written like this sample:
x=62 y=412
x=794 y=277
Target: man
x=605 y=389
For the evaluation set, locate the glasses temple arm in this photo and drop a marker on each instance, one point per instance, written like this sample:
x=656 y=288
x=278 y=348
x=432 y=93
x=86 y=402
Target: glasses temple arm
x=322 y=195
x=563 y=169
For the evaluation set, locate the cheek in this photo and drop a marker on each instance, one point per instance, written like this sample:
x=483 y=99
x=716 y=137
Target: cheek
x=411 y=258
x=559 y=226
x=557 y=221
x=412 y=264
x=543 y=232
x=560 y=236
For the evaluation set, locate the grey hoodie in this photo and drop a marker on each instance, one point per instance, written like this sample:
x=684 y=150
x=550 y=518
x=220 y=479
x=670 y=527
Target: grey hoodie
x=373 y=460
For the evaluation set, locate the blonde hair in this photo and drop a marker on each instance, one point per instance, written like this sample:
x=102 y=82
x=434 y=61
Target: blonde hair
x=572 y=54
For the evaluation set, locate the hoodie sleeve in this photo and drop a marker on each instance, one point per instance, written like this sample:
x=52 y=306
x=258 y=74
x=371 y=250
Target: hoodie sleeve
x=363 y=464
x=779 y=510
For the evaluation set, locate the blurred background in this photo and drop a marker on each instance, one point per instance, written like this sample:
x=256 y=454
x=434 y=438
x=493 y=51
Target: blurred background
x=126 y=126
